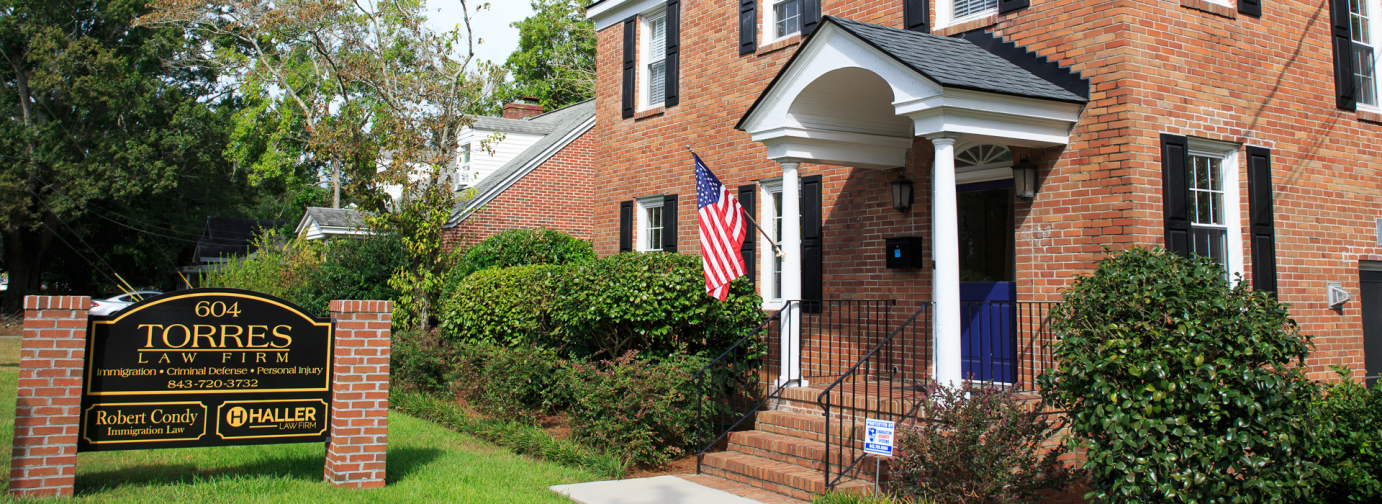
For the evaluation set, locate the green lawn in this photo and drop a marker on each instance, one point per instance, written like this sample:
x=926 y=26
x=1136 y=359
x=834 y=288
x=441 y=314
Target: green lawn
x=426 y=463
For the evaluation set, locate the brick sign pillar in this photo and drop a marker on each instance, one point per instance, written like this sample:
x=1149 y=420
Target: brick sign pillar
x=48 y=411
x=360 y=394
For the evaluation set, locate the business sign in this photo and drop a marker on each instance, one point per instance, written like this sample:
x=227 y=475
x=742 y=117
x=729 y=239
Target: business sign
x=878 y=437
x=206 y=367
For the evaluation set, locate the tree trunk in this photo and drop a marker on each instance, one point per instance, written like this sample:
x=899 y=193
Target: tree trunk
x=24 y=253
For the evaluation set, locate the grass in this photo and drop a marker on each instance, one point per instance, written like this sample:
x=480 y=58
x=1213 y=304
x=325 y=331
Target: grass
x=425 y=463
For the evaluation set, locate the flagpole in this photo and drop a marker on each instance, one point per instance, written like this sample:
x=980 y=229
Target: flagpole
x=751 y=221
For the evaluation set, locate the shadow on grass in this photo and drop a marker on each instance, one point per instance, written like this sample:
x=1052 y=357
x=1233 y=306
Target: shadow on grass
x=402 y=462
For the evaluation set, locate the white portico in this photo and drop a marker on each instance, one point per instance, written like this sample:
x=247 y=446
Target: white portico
x=857 y=95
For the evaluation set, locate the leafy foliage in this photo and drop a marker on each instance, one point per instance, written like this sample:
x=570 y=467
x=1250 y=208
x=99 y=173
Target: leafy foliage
x=979 y=444
x=555 y=60
x=651 y=302
x=1180 y=387
x=510 y=306
x=638 y=408
x=514 y=382
x=523 y=247
x=1347 y=441
x=313 y=273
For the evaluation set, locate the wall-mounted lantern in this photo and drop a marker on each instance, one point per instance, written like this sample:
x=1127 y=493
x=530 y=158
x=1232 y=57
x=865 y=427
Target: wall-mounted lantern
x=1025 y=178
x=902 y=194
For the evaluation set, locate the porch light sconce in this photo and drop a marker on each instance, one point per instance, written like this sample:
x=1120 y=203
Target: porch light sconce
x=902 y=194
x=1024 y=178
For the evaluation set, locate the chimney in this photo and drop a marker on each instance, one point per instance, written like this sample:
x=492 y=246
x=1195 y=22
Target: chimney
x=523 y=109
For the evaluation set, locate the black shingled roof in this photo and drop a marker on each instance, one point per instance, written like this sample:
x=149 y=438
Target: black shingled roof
x=950 y=62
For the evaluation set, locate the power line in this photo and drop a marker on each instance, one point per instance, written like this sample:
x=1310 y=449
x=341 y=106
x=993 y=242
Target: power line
x=79 y=238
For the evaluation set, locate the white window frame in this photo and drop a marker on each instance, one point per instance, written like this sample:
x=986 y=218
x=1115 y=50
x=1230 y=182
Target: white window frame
x=768 y=262
x=945 y=14
x=463 y=174
x=1234 y=204
x=641 y=241
x=1373 y=8
x=770 y=21
x=645 y=58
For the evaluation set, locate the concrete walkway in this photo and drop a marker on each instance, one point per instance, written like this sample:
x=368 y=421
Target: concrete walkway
x=656 y=490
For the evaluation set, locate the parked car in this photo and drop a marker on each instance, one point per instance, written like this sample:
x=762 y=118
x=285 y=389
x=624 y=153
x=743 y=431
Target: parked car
x=117 y=303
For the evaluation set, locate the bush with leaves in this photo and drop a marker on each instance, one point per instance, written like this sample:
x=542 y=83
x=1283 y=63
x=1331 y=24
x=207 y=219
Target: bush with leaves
x=1347 y=441
x=523 y=247
x=509 y=306
x=979 y=444
x=517 y=383
x=1179 y=386
x=422 y=362
x=312 y=273
x=654 y=303
x=642 y=409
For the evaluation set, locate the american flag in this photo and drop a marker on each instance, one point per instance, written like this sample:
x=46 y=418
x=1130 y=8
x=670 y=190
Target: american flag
x=722 y=232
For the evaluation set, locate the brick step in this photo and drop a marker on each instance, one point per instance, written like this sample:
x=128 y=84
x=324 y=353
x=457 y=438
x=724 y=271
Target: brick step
x=799 y=452
x=780 y=477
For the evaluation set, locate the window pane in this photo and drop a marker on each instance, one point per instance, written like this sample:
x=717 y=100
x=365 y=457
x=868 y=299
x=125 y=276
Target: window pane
x=655 y=228
x=658 y=45
x=1363 y=68
x=967 y=7
x=788 y=16
x=1360 y=21
x=657 y=82
x=777 y=238
x=1202 y=206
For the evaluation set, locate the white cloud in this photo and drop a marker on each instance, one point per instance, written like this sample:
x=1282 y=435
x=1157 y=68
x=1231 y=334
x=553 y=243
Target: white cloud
x=491 y=25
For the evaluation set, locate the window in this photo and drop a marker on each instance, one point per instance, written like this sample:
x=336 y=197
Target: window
x=1208 y=224
x=655 y=28
x=650 y=223
x=1364 y=68
x=463 y=174
x=786 y=18
x=777 y=239
x=967 y=8
x=1214 y=205
x=769 y=263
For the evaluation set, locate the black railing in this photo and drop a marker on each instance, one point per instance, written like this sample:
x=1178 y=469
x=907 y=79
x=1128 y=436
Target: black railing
x=889 y=382
x=1006 y=343
x=737 y=383
x=836 y=333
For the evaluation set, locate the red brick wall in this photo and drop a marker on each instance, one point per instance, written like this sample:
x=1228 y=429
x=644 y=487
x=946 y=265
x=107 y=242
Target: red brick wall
x=557 y=195
x=1154 y=67
x=355 y=456
x=46 y=414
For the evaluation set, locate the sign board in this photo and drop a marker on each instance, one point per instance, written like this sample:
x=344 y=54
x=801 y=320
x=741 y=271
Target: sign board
x=878 y=437
x=206 y=367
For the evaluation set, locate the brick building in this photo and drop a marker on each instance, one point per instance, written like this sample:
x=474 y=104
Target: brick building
x=1033 y=134
x=545 y=183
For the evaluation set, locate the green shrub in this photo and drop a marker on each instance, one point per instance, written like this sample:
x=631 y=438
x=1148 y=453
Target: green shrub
x=1180 y=387
x=508 y=306
x=851 y=498
x=653 y=303
x=1347 y=441
x=421 y=362
x=312 y=273
x=979 y=444
x=642 y=410
x=510 y=382
x=523 y=247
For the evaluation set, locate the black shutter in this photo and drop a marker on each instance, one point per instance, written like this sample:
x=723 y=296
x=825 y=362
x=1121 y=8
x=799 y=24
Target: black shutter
x=747 y=194
x=1175 y=157
x=812 y=249
x=1346 y=97
x=1250 y=7
x=1260 y=219
x=626 y=226
x=1006 y=6
x=673 y=90
x=669 y=223
x=748 y=26
x=630 y=51
x=810 y=16
x=916 y=15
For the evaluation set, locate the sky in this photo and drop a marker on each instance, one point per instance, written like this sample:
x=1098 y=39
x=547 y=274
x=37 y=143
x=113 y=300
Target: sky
x=491 y=26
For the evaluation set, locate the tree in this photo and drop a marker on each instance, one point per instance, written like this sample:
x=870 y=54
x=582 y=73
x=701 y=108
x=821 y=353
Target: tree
x=102 y=146
x=555 y=60
x=366 y=88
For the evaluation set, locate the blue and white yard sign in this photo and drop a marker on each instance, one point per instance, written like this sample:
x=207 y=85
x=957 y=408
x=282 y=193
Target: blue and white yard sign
x=878 y=437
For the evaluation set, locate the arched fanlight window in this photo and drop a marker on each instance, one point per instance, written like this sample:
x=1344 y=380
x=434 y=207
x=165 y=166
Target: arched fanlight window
x=984 y=156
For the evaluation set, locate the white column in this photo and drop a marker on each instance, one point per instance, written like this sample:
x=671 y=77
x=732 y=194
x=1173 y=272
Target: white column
x=791 y=275
x=945 y=250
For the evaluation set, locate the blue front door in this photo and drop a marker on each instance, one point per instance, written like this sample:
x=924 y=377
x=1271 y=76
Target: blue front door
x=987 y=287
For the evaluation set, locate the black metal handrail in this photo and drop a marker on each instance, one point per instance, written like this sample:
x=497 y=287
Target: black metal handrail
x=836 y=332
x=1007 y=343
x=732 y=383
x=894 y=378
